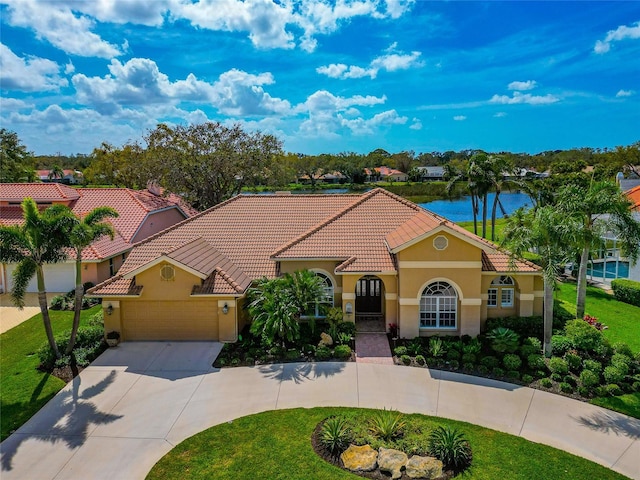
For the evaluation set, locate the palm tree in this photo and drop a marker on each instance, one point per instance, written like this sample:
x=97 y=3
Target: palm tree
x=498 y=167
x=40 y=239
x=602 y=208
x=455 y=175
x=552 y=235
x=85 y=231
x=56 y=172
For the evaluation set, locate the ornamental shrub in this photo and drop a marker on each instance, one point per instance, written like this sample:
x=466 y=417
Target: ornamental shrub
x=497 y=372
x=400 y=351
x=347 y=327
x=450 y=446
x=489 y=361
x=453 y=354
x=526 y=350
x=593 y=365
x=556 y=377
x=570 y=380
x=558 y=365
x=560 y=345
x=406 y=359
x=335 y=434
x=566 y=388
x=627 y=291
x=323 y=353
x=546 y=383
x=526 y=378
x=59 y=302
x=468 y=358
x=534 y=342
x=622 y=348
x=420 y=360
x=342 y=352
x=589 y=379
x=469 y=367
x=436 y=347
x=613 y=390
x=535 y=361
x=583 y=336
x=635 y=386
x=574 y=361
x=292 y=354
x=484 y=370
x=511 y=361
x=386 y=424
x=621 y=361
x=513 y=374
x=613 y=374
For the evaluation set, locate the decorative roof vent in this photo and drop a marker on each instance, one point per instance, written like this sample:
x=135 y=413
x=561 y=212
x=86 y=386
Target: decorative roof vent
x=440 y=242
x=167 y=273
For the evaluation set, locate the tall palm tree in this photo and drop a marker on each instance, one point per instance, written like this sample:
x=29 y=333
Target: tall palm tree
x=56 y=172
x=552 y=234
x=85 y=231
x=455 y=175
x=499 y=166
x=602 y=208
x=39 y=240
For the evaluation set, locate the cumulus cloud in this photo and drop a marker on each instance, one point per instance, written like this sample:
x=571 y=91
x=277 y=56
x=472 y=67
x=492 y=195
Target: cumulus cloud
x=460 y=118
x=140 y=82
x=391 y=61
x=416 y=125
x=522 y=86
x=362 y=126
x=29 y=74
x=625 y=93
x=60 y=26
x=524 y=98
x=500 y=114
x=623 y=32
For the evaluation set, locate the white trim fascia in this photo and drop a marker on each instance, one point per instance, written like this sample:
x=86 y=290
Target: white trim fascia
x=164 y=258
x=445 y=228
x=438 y=264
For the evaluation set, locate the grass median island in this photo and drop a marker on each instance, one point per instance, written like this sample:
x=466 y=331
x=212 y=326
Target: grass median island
x=23 y=389
x=277 y=445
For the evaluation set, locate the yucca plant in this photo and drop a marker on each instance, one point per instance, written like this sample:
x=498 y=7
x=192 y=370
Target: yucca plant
x=436 y=347
x=335 y=434
x=451 y=447
x=386 y=424
x=503 y=340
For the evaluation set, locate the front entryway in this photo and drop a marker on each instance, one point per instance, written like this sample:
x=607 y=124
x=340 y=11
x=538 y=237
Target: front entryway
x=369 y=305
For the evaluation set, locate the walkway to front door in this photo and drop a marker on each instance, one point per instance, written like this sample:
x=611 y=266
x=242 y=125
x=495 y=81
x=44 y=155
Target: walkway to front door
x=373 y=348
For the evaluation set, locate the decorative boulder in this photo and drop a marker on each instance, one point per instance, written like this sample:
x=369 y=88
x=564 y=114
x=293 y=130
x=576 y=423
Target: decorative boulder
x=392 y=461
x=325 y=339
x=424 y=467
x=360 y=458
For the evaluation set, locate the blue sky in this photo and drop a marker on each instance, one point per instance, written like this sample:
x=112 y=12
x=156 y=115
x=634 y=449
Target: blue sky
x=324 y=76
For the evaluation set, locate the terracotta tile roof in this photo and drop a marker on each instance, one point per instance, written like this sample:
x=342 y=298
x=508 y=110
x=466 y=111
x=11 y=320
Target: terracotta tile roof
x=500 y=262
x=241 y=239
x=40 y=192
x=132 y=206
x=634 y=196
x=117 y=286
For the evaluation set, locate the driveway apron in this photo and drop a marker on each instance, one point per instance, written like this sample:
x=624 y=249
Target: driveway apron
x=135 y=402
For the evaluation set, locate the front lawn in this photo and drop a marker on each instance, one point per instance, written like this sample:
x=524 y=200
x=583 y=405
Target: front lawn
x=23 y=388
x=277 y=445
x=622 y=319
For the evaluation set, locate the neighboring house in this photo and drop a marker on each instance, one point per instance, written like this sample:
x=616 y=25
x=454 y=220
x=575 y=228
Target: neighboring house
x=431 y=172
x=71 y=177
x=381 y=257
x=385 y=174
x=141 y=213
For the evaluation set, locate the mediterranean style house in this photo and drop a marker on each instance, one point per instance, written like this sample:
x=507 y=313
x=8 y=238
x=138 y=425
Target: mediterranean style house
x=141 y=213
x=381 y=257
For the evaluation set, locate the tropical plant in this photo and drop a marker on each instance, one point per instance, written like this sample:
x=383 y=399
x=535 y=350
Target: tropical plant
x=602 y=209
x=436 y=347
x=84 y=232
x=503 y=340
x=511 y=361
x=558 y=365
x=450 y=446
x=56 y=172
x=39 y=240
x=414 y=347
x=342 y=352
x=583 y=336
x=386 y=424
x=335 y=434
x=553 y=236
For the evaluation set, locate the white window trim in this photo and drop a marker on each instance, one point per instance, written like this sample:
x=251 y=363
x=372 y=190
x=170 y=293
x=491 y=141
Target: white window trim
x=495 y=299
x=438 y=326
x=511 y=295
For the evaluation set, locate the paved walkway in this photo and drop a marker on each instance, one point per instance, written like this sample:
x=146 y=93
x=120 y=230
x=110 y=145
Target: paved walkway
x=373 y=348
x=137 y=401
x=10 y=315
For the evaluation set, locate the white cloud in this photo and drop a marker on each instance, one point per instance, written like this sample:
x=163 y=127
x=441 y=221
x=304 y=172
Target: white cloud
x=29 y=74
x=362 y=126
x=13 y=104
x=69 y=68
x=390 y=61
x=524 y=98
x=522 y=86
x=621 y=33
x=59 y=25
x=500 y=114
x=140 y=82
x=416 y=125
x=625 y=93
x=460 y=118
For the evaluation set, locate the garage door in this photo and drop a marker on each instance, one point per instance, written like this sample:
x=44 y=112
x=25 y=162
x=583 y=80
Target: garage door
x=58 y=278
x=192 y=320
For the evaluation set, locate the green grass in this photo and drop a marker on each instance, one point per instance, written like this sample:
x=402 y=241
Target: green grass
x=622 y=319
x=500 y=224
x=23 y=389
x=628 y=404
x=276 y=445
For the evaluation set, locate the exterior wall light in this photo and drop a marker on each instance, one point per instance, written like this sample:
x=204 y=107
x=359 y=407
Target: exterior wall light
x=109 y=309
x=348 y=308
x=225 y=308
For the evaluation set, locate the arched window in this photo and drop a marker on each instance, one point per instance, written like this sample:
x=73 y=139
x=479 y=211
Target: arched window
x=502 y=288
x=325 y=302
x=439 y=306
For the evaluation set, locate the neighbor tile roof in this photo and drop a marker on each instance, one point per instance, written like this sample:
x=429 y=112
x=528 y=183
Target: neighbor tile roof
x=132 y=206
x=502 y=262
x=634 y=196
x=246 y=235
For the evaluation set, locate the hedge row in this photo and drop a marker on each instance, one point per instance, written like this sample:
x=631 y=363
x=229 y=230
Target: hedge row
x=627 y=291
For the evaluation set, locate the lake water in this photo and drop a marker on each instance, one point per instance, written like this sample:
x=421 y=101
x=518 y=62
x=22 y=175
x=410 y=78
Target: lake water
x=460 y=210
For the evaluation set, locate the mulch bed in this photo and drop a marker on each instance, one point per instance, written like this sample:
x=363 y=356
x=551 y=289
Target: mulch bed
x=66 y=373
x=376 y=474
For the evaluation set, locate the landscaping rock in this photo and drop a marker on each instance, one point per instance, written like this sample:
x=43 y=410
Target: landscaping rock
x=392 y=461
x=424 y=467
x=360 y=458
x=325 y=339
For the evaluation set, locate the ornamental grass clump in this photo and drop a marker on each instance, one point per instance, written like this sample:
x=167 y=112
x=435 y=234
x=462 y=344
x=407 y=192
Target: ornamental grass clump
x=451 y=447
x=335 y=434
x=387 y=424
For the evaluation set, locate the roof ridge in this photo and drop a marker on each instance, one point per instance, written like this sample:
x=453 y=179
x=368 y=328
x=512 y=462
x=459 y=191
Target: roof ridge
x=227 y=278
x=132 y=194
x=398 y=198
x=324 y=223
x=185 y=243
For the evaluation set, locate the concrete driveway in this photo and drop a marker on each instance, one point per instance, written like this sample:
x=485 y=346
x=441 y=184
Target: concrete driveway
x=10 y=315
x=122 y=414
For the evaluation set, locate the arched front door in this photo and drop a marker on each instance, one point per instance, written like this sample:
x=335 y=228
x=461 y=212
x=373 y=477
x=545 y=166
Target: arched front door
x=369 y=304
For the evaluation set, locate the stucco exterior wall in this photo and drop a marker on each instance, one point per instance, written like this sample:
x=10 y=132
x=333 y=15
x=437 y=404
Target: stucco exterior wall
x=156 y=222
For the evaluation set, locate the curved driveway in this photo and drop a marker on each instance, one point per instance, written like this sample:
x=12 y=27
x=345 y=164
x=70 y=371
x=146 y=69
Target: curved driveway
x=137 y=401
